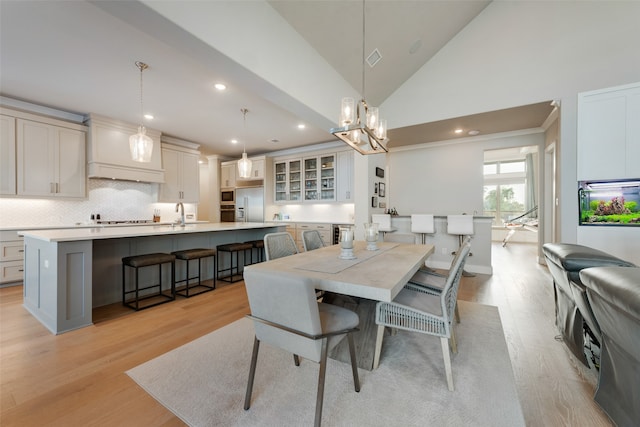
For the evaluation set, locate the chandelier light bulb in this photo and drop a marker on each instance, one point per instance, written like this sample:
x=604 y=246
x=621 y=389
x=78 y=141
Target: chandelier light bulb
x=347 y=112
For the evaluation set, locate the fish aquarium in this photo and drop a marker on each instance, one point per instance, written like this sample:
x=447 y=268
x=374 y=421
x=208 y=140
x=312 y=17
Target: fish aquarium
x=613 y=203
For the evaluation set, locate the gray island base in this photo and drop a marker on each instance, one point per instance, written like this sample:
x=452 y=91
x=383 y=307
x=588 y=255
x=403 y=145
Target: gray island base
x=68 y=272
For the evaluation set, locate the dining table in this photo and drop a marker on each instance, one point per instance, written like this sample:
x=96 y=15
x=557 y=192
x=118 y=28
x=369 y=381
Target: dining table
x=357 y=284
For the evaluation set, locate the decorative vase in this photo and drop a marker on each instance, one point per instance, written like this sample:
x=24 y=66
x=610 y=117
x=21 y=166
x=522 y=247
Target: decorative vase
x=371 y=235
x=346 y=242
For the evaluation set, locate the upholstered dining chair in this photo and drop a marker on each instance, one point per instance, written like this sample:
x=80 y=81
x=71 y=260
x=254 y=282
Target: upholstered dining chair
x=415 y=310
x=311 y=240
x=278 y=245
x=434 y=282
x=286 y=315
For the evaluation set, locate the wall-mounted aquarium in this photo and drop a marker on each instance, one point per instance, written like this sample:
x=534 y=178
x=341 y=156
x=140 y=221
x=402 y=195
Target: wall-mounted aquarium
x=609 y=202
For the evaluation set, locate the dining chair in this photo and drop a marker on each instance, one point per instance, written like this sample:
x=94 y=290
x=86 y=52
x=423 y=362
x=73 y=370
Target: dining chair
x=311 y=240
x=434 y=282
x=415 y=310
x=278 y=245
x=286 y=315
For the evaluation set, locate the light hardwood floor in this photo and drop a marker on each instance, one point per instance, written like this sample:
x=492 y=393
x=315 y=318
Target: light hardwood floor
x=78 y=378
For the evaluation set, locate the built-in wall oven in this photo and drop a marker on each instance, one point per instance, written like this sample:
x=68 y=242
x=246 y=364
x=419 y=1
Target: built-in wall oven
x=227 y=212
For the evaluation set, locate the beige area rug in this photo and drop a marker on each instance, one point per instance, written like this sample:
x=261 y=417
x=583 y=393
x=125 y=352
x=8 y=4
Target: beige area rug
x=204 y=382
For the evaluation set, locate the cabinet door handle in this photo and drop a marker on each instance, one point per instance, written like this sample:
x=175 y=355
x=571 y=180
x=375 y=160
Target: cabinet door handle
x=20 y=250
x=21 y=270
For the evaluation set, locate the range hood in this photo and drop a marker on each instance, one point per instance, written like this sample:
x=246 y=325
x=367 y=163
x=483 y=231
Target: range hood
x=108 y=152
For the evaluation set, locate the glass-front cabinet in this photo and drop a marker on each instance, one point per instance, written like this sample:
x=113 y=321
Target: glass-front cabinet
x=287 y=180
x=320 y=178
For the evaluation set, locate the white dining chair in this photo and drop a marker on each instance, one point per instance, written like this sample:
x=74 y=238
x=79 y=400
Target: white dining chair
x=415 y=310
x=286 y=315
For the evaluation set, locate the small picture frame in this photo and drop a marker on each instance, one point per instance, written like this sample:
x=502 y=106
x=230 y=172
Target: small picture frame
x=375 y=188
x=374 y=202
x=381 y=189
x=379 y=172
x=382 y=205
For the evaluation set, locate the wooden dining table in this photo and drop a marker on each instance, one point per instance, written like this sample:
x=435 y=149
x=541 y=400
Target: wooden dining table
x=356 y=283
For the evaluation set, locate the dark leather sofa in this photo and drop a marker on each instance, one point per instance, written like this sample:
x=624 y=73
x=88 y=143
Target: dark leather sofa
x=614 y=296
x=574 y=316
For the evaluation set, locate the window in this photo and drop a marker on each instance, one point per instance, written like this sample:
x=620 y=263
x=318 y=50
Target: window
x=504 y=190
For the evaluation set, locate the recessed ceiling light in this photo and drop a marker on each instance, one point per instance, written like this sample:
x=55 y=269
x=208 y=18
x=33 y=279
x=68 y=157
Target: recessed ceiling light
x=473 y=132
x=220 y=86
x=234 y=141
x=301 y=126
x=148 y=116
x=458 y=131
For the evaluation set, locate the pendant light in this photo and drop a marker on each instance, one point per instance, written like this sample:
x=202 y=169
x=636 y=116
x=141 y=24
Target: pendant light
x=140 y=145
x=244 y=164
x=360 y=125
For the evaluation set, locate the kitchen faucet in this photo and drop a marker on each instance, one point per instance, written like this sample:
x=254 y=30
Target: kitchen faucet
x=180 y=206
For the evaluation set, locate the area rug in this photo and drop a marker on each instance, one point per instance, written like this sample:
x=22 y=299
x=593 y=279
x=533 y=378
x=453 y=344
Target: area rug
x=204 y=382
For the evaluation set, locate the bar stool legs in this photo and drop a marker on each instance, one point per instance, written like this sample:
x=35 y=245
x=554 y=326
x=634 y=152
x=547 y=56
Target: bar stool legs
x=192 y=255
x=233 y=273
x=140 y=294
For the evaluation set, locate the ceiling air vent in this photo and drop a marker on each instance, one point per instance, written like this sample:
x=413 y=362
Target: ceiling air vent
x=374 y=58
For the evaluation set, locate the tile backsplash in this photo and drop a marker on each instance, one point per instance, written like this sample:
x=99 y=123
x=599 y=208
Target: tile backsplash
x=113 y=200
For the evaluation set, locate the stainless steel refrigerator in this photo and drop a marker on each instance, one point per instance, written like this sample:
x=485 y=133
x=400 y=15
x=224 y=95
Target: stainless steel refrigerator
x=250 y=204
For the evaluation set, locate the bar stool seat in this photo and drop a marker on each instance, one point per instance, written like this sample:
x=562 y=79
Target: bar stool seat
x=234 y=272
x=195 y=254
x=259 y=246
x=140 y=294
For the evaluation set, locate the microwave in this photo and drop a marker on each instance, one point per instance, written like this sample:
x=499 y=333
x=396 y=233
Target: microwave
x=227 y=196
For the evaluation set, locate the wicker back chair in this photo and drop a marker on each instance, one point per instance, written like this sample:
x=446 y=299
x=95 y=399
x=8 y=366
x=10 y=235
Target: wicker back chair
x=311 y=240
x=415 y=310
x=278 y=245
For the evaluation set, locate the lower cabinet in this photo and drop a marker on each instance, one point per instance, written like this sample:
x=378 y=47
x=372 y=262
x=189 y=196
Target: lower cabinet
x=11 y=257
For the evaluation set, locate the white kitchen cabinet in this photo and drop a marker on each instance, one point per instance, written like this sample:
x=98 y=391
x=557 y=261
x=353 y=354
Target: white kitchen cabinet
x=228 y=174
x=288 y=181
x=344 y=186
x=320 y=178
x=50 y=160
x=609 y=133
x=181 y=175
x=11 y=257
x=257 y=170
x=7 y=155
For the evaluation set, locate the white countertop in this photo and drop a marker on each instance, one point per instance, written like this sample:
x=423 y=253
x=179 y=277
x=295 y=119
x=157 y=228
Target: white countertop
x=98 y=232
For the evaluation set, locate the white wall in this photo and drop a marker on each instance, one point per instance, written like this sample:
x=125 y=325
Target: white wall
x=517 y=53
x=446 y=178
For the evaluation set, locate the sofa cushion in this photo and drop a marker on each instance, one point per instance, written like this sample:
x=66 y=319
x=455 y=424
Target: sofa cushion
x=619 y=286
x=574 y=258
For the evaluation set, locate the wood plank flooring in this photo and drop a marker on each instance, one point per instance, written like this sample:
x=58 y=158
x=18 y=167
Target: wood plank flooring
x=78 y=378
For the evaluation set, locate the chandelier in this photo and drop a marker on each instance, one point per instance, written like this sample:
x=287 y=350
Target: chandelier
x=360 y=125
x=140 y=145
x=244 y=164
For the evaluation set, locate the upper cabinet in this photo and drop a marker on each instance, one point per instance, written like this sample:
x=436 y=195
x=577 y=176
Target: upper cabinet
x=7 y=155
x=181 y=171
x=228 y=175
x=109 y=155
x=325 y=177
x=344 y=186
x=320 y=178
x=50 y=159
x=609 y=133
x=287 y=180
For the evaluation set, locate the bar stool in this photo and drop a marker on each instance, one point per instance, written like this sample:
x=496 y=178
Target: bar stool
x=195 y=254
x=461 y=225
x=259 y=246
x=423 y=224
x=384 y=223
x=139 y=261
x=231 y=249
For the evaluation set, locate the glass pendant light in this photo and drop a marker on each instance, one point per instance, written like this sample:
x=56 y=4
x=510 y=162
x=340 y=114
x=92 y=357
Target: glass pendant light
x=244 y=164
x=140 y=145
x=360 y=125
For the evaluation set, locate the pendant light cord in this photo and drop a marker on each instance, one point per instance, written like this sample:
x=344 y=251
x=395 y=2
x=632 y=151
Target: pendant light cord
x=141 y=66
x=244 y=125
x=363 y=45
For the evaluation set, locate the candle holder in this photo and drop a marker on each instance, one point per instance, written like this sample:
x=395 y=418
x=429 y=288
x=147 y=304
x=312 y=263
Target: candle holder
x=346 y=243
x=371 y=235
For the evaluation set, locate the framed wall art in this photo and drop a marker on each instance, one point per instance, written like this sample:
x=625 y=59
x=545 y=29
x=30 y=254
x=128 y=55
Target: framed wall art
x=381 y=189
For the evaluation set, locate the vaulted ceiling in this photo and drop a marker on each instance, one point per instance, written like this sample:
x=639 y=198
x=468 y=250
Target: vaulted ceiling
x=79 y=57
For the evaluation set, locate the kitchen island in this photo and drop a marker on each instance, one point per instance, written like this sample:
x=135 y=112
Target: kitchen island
x=68 y=272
